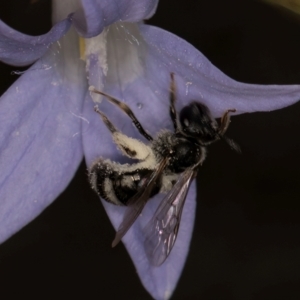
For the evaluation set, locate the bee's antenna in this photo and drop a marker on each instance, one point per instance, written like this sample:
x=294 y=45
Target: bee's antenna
x=232 y=144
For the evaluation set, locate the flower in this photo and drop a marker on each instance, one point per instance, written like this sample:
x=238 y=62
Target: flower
x=49 y=125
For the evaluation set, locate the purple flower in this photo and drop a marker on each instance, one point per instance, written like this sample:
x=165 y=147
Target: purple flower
x=48 y=122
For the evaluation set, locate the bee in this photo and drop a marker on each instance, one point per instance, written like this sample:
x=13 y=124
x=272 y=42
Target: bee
x=167 y=164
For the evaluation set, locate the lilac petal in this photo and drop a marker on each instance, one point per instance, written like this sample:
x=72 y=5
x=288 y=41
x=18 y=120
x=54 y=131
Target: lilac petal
x=40 y=142
x=20 y=49
x=138 y=72
x=197 y=79
x=97 y=14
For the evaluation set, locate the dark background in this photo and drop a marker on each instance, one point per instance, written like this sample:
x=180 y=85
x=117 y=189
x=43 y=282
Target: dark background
x=246 y=239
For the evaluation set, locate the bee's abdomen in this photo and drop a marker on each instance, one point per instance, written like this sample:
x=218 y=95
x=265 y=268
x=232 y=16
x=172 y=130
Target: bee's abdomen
x=115 y=186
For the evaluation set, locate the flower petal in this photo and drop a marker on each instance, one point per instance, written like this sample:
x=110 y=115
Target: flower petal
x=97 y=14
x=20 y=49
x=139 y=60
x=40 y=141
x=197 y=79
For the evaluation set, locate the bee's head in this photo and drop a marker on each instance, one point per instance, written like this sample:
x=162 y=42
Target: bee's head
x=197 y=122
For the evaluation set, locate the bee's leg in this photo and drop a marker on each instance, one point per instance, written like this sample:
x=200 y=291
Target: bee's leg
x=106 y=121
x=125 y=108
x=130 y=147
x=225 y=121
x=173 y=112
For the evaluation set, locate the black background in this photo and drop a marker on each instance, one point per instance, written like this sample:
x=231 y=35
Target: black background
x=246 y=239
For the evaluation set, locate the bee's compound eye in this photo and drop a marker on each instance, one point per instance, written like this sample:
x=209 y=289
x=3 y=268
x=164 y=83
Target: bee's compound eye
x=186 y=122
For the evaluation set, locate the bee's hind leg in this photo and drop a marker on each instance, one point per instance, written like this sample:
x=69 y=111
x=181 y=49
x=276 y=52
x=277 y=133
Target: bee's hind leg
x=130 y=147
x=105 y=120
x=126 y=109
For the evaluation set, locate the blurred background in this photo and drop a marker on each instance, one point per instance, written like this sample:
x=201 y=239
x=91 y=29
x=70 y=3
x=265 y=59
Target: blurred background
x=246 y=240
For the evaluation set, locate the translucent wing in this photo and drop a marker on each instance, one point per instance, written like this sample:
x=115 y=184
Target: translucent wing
x=161 y=231
x=138 y=201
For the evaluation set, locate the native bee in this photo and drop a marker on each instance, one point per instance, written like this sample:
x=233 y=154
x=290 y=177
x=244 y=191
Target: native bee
x=168 y=163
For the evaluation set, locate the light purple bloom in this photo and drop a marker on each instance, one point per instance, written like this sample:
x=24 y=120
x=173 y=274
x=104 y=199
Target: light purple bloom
x=48 y=123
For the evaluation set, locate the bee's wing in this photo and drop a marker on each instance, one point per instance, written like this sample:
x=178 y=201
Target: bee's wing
x=161 y=231
x=138 y=201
